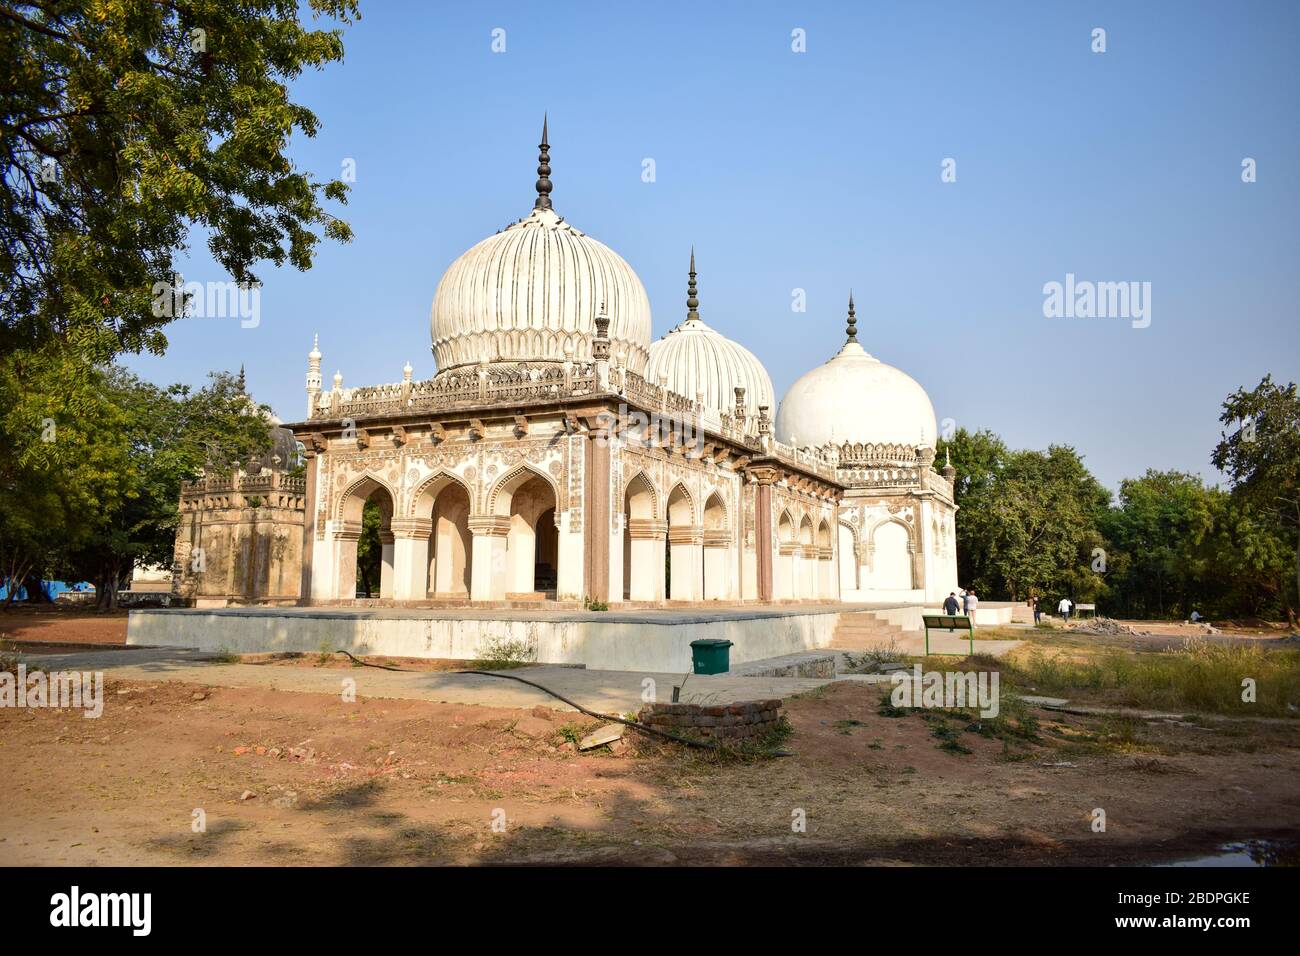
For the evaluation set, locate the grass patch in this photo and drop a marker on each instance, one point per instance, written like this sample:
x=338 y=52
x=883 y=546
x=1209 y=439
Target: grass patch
x=1199 y=677
x=224 y=655
x=869 y=661
x=499 y=654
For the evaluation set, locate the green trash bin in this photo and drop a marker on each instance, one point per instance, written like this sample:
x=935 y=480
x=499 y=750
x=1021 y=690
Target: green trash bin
x=711 y=655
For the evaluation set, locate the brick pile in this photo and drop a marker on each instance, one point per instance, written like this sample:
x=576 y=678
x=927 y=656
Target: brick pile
x=743 y=720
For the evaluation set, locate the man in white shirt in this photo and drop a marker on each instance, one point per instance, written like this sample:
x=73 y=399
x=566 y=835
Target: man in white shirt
x=1064 y=608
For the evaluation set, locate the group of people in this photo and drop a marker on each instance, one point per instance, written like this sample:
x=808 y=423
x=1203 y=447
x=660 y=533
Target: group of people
x=966 y=604
x=1063 y=607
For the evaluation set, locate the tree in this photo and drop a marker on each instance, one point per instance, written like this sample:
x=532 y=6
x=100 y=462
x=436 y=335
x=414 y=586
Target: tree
x=1034 y=528
x=125 y=124
x=169 y=436
x=61 y=461
x=1259 y=450
x=978 y=459
x=1157 y=529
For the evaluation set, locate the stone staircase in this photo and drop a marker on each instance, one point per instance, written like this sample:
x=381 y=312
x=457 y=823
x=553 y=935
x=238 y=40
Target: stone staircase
x=859 y=630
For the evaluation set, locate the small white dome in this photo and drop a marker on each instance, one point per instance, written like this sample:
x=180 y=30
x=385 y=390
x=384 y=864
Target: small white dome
x=531 y=293
x=694 y=359
x=856 y=398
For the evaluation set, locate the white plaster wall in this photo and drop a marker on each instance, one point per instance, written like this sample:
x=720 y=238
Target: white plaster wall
x=606 y=645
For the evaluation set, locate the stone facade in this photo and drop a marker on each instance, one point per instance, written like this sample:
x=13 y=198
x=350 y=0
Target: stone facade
x=239 y=540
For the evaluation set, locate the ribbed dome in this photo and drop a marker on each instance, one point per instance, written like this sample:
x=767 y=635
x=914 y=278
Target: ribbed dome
x=856 y=398
x=693 y=359
x=532 y=292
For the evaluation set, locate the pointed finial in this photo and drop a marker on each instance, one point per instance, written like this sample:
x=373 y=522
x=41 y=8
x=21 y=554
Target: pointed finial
x=692 y=293
x=315 y=347
x=543 y=171
x=852 y=328
x=242 y=390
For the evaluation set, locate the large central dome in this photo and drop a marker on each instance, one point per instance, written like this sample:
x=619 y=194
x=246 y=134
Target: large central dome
x=531 y=293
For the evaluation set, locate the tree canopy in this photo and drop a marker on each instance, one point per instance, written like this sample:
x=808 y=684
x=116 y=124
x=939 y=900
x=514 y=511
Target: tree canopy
x=125 y=123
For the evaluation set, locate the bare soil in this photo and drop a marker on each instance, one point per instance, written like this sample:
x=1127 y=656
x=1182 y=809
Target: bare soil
x=287 y=778
x=63 y=625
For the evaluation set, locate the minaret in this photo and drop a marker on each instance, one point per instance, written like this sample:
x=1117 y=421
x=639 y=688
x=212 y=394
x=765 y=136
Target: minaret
x=949 y=471
x=692 y=294
x=313 y=375
x=543 y=171
x=852 y=328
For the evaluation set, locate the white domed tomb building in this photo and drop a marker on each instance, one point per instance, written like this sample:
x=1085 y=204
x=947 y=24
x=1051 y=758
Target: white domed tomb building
x=557 y=454
x=896 y=530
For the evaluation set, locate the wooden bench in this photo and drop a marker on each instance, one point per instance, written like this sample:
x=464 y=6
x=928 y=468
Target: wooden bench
x=950 y=623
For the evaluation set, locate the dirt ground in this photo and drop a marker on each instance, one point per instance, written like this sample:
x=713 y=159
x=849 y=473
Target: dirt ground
x=281 y=778
x=56 y=625
x=285 y=778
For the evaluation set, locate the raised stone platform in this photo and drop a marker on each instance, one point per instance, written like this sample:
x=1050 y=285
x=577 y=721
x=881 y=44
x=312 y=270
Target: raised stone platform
x=642 y=640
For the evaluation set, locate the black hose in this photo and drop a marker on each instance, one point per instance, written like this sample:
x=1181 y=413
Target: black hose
x=644 y=728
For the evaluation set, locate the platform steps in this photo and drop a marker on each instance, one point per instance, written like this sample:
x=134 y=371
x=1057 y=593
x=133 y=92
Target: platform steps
x=860 y=630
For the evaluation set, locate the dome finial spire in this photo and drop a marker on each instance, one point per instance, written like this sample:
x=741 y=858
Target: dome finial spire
x=692 y=299
x=543 y=171
x=852 y=328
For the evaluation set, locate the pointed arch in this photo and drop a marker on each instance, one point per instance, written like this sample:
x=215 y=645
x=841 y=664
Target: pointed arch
x=426 y=492
x=498 y=498
x=715 y=513
x=354 y=497
x=681 y=506
x=641 y=496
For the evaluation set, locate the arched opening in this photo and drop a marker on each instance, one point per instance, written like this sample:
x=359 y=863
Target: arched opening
x=717 y=542
x=825 y=549
x=451 y=546
x=365 y=542
x=643 y=543
x=783 y=586
x=891 y=559
x=848 y=561
x=682 y=571
x=532 y=542
x=807 y=559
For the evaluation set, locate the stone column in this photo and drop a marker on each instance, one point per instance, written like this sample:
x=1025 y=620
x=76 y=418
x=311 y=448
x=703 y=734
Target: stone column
x=411 y=558
x=596 y=512
x=763 y=530
x=386 y=564
x=717 y=584
x=488 y=573
x=308 y=528
x=687 y=543
x=647 y=575
x=345 y=560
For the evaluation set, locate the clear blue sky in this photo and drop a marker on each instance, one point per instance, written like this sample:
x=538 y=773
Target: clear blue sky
x=821 y=171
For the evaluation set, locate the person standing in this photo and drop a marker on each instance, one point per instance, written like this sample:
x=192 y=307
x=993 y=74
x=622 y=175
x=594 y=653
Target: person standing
x=1064 y=608
x=1033 y=606
x=970 y=604
x=950 y=606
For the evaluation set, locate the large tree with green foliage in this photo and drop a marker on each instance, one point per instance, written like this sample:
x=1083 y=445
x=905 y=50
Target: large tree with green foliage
x=91 y=464
x=1154 y=537
x=169 y=435
x=124 y=123
x=61 y=462
x=1259 y=450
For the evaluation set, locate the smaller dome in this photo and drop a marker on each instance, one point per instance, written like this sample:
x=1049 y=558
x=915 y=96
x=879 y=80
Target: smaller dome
x=856 y=398
x=694 y=359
